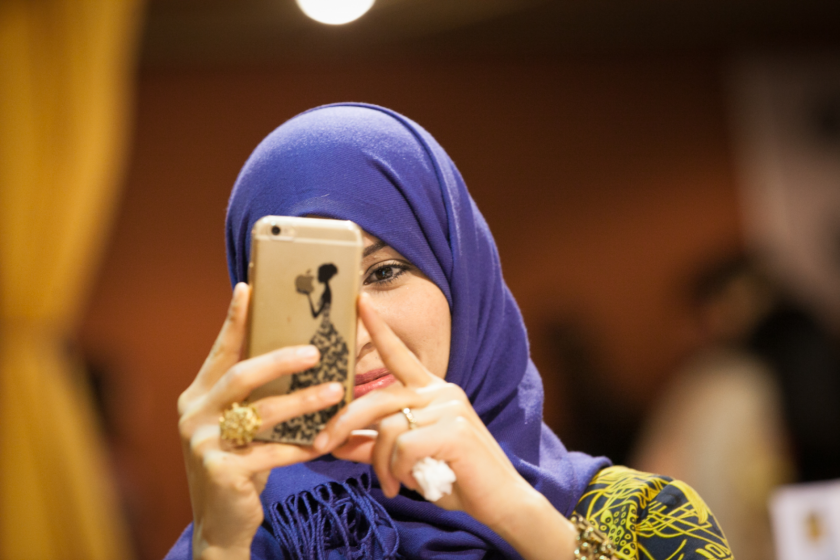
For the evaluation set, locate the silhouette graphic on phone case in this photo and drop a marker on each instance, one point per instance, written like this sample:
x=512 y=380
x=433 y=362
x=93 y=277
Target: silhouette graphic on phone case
x=333 y=364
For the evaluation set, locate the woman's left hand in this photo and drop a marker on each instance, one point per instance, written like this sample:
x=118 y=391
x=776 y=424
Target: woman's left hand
x=488 y=487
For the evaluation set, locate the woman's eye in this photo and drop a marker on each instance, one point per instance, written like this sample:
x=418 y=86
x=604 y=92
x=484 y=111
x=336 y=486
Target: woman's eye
x=385 y=273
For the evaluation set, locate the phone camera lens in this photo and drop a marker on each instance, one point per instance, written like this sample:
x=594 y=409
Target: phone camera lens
x=275 y=230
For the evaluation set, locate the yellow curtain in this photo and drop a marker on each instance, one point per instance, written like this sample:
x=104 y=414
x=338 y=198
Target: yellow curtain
x=66 y=68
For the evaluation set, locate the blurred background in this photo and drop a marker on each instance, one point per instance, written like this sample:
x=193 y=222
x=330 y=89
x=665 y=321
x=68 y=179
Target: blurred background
x=662 y=180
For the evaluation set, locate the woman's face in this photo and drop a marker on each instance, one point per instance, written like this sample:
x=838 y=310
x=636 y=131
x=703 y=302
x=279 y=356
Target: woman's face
x=411 y=304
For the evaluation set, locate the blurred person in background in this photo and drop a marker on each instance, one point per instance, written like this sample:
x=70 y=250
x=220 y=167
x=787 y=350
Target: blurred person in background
x=455 y=383
x=753 y=408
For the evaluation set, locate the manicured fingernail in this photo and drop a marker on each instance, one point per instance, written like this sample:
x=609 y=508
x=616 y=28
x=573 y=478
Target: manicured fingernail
x=307 y=351
x=321 y=441
x=331 y=390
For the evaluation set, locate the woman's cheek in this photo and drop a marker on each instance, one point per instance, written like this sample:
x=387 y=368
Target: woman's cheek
x=419 y=314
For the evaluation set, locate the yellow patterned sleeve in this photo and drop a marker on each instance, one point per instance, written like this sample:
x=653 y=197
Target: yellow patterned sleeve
x=652 y=517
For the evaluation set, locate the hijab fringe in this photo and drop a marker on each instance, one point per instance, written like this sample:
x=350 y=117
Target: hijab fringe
x=331 y=516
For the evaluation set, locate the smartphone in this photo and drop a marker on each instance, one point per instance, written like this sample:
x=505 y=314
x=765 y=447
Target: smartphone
x=304 y=277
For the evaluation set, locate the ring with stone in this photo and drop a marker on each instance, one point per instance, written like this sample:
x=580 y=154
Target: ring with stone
x=239 y=424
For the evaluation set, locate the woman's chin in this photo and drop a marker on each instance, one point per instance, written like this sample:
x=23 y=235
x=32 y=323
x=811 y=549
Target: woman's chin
x=378 y=383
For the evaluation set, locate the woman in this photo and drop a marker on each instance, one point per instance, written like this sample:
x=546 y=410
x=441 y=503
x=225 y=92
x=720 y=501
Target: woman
x=440 y=337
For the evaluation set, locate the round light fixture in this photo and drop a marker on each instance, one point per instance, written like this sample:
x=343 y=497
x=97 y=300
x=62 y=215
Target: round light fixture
x=335 y=12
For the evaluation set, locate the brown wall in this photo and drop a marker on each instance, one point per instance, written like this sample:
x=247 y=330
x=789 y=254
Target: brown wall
x=604 y=181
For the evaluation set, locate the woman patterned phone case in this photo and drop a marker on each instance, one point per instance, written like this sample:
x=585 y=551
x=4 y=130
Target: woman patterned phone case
x=304 y=277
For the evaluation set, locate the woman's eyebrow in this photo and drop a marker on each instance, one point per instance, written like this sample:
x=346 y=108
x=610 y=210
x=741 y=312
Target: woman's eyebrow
x=373 y=248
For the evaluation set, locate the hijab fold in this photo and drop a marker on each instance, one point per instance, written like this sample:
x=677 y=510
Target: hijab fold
x=381 y=170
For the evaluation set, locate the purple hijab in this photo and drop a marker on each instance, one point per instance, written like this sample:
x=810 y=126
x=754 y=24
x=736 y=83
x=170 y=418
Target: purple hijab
x=381 y=170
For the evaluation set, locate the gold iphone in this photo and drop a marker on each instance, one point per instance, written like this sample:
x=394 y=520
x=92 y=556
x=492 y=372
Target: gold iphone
x=304 y=276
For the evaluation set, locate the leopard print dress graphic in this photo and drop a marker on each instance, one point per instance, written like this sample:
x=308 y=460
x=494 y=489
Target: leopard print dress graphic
x=332 y=367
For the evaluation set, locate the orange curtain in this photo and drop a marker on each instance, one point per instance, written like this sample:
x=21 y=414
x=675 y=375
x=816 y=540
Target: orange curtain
x=66 y=69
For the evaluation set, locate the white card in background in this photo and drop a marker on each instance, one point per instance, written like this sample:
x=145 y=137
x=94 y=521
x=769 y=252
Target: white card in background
x=806 y=521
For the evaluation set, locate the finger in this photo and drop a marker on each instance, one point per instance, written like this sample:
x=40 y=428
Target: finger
x=366 y=411
x=446 y=441
x=204 y=439
x=395 y=425
x=451 y=402
x=358 y=448
x=227 y=348
x=256 y=458
x=238 y=382
x=225 y=351
x=458 y=407
x=399 y=360
x=390 y=428
x=266 y=456
x=273 y=410
x=236 y=385
x=369 y=409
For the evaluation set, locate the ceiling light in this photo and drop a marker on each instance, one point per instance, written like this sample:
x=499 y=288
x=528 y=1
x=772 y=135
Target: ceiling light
x=335 y=12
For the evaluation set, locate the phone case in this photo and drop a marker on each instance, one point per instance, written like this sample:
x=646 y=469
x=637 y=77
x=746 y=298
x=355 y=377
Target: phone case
x=304 y=276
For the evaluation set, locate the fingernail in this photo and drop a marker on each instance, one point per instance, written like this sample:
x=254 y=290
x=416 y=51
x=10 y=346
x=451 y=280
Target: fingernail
x=307 y=351
x=321 y=441
x=331 y=390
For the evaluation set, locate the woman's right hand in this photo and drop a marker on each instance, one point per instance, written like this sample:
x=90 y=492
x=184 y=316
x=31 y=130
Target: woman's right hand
x=225 y=482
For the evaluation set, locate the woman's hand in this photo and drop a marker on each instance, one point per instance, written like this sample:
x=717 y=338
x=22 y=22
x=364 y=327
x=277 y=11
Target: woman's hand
x=488 y=487
x=225 y=482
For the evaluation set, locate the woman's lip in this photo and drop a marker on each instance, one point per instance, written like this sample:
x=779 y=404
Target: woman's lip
x=363 y=389
x=362 y=378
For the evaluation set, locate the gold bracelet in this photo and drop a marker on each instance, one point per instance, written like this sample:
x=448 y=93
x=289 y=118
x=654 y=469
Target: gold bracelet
x=592 y=544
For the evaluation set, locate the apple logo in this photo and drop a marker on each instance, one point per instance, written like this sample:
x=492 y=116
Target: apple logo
x=303 y=283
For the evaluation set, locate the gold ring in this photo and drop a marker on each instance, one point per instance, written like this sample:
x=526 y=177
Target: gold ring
x=412 y=422
x=239 y=424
